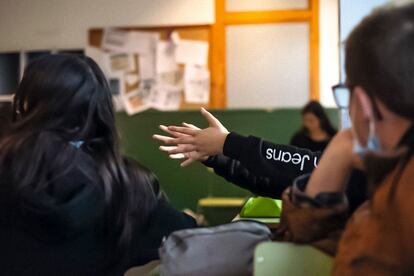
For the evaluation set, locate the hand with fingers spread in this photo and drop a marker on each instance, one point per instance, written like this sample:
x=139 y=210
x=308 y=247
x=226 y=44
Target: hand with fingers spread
x=181 y=150
x=192 y=143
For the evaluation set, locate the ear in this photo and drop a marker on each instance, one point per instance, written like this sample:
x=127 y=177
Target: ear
x=364 y=101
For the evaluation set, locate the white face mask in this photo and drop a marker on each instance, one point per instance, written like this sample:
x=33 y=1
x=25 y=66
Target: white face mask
x=373 y=143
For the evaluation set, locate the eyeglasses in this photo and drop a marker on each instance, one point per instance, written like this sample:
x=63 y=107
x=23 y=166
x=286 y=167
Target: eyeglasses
x=341 y=95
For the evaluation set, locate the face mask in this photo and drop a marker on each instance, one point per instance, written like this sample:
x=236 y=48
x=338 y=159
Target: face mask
x=373 y=144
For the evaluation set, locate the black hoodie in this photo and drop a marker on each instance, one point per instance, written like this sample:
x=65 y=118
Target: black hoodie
x=59 y=231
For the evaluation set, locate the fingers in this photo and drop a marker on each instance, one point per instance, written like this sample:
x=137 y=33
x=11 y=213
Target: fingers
x=178 y=156
x=191 y=126
x=178 y=149
x=174 y=141
x=212 y=121
x=173 y=133
x=187 y=162
x=162 y=138
x=182 y=149
x=167 y=149
x=184 y=130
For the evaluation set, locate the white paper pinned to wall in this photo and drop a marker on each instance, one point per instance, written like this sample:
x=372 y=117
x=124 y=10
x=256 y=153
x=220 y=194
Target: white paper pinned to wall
x=146 y=66
x=196 y=84
x=116 y=63
x=165 y=57
x=121 y=41
x=191 y=52
x=166 y=98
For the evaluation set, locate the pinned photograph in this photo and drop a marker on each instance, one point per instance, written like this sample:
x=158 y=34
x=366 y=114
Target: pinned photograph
x=120 y=63
x=138 y=100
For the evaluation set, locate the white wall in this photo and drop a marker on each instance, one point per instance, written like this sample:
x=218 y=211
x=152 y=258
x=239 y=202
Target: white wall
x=328 y=49
x=267 y=65
x=45 y=24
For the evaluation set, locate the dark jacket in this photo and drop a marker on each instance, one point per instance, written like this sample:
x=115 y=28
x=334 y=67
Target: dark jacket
x=302 y=140
x=267 y=169
x=59 y=231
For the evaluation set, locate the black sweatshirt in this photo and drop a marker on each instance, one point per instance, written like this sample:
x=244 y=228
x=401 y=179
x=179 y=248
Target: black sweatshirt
x=59 y=231
x=267 y=169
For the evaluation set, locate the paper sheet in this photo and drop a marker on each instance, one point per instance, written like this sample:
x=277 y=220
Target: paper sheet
x=120 y=41
x=115 y=40
x=119 y=63
x=165 y=58
x=146 y=66
x=132 y=79
x=191 y=52
x=138 y=100
x=196 y=84
x=174 y=78
x=166 y=98
x=143 y=42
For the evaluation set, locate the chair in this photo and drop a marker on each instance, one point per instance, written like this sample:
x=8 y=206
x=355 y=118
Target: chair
x=288 y=259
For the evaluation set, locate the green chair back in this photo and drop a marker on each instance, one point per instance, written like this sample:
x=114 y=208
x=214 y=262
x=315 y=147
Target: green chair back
x=288 y=259
x=261 y=207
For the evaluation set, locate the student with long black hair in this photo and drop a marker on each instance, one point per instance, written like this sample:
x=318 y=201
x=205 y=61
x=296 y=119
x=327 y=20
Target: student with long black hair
x=316 y=130
x=70 y=203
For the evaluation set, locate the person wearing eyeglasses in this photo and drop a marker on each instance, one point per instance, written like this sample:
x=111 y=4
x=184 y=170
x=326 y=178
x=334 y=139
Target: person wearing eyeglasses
x=377 y=239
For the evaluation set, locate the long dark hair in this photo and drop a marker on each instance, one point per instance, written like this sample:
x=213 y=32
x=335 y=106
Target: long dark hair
x=316 y=109
x=66 y=98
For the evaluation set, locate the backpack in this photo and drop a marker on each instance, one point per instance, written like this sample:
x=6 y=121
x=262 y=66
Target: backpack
x=226 y=249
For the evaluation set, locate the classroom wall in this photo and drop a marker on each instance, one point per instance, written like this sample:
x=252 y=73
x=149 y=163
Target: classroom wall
x=328 y=49
x=46 y=24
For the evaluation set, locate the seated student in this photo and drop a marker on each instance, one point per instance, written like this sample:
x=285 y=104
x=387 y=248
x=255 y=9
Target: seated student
x=316 y=130
x=70 y=204
x=378 y=239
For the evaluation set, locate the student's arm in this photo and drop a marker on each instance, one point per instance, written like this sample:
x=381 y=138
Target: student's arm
x=260 y=157
x=279 y=162
x=234 y=172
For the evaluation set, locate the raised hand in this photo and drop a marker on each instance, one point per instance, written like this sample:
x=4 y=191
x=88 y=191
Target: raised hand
x=182 y=150
x=199 y=143
x=207 y=142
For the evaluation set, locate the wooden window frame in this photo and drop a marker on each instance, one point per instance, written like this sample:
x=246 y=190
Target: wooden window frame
x=310 y=15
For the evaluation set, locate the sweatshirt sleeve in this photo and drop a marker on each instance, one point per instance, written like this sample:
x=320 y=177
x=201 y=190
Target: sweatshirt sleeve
x=280 y=163
x=233 y=171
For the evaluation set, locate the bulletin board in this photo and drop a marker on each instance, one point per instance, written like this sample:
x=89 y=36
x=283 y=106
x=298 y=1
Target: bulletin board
x=189 y=32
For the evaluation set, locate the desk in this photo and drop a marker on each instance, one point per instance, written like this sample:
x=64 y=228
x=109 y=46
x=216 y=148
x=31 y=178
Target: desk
x=219 y=210
x=272 y=223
